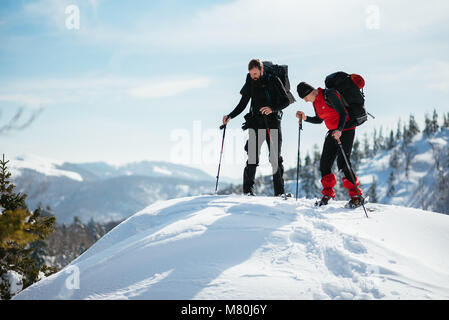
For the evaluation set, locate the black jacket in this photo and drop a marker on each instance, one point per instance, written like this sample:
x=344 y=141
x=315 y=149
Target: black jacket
x=269 y=91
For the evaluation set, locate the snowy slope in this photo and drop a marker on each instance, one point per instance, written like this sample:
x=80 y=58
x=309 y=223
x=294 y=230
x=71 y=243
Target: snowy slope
x=415 y=189
x=236 y=247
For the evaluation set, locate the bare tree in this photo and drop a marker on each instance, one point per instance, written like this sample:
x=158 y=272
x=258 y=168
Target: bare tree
x=19 y=121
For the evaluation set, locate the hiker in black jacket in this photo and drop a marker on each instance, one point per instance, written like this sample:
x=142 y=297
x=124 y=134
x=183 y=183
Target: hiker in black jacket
x=268 y=97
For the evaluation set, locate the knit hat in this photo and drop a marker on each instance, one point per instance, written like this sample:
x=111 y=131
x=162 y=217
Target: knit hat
x=304 y=89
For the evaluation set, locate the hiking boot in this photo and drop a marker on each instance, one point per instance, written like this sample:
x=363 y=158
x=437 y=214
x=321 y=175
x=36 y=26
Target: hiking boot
x=355 y=202
x=284 y=195
x=323 y=202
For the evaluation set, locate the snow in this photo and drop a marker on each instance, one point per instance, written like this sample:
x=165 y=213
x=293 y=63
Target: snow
x=183 y=188
x=422 y=176
x=15 y=282
x=237 y=247
x=439 y=141
x=162 y=171
x=42 y=165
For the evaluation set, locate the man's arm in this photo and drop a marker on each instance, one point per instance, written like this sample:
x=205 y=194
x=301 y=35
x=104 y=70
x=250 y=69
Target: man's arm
x=338 y=106
x=246 y=95
x=314 y=119
x=240 y=107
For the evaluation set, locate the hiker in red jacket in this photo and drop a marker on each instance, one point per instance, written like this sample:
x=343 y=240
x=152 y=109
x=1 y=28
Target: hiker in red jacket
x=330 y=109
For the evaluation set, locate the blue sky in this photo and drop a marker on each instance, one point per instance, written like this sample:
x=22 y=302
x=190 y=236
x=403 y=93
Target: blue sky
x=152 y=79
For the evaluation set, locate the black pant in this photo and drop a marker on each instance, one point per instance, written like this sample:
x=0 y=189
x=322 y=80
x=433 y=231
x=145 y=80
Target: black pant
x=331 y=150
x=253 y=147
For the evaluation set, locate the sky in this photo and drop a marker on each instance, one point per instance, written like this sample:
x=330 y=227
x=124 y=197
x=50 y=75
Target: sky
x=125 y=81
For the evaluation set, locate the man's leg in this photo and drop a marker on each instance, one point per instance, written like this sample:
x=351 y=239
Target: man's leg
x=328 y=179
x=347 y=140
x=276 y=161
x=252 y=148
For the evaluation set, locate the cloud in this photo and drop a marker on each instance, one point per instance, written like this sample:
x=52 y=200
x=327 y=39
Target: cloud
x=431 y=74
x=414 y=16
x=168 y=88
x=38 y=92
x=31 y=101
x=242 y=22
x=52 y=11
x=288 y=23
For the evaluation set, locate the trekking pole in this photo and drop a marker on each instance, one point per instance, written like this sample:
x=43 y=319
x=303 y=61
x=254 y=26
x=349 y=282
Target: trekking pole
x=221 y=153
x=268 y=129
x=297 y=162
x=351 y=172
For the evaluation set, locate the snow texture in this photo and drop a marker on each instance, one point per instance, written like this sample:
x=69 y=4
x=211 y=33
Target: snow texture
x=15 y=282
x=237 y=247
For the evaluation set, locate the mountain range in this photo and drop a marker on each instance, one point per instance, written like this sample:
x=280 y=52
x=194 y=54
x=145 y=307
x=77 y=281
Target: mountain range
x=104 y=192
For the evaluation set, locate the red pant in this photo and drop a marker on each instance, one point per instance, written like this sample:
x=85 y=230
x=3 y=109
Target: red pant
x=329 y=181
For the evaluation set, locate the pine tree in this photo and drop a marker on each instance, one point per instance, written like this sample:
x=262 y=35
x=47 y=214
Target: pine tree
x=445 y=121
x=442 y=194
x=372 y=191
x=375 y=142
x=19 y=230
x=427 y=125
x=316 y=156
x=356 y=155
x=409 y=153
x=394 y=159
x=381 y=139
x=398 y=131
x=413 y=128
x=406 y=137
x=309 y=177
x=366 y=146
x=434 y=123
x=391 y=141
x=391 y=189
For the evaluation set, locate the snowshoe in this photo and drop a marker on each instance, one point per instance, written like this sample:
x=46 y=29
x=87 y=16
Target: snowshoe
x=323 y=202
x=250 y=194
x=284 y=195
x=355 y=202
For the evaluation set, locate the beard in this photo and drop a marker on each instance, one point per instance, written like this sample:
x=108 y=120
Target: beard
x=257 y=82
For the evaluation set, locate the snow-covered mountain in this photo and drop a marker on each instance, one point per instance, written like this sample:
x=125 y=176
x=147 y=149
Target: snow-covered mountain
x=102 y=191
x=415 y=171
x=413 y=175
x=101 y=170
x=237 y=247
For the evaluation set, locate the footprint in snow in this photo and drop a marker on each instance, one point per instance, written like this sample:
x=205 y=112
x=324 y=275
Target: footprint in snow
x=301 y=235
x=353 y=245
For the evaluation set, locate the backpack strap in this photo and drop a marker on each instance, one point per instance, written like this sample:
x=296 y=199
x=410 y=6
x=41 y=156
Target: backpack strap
x=326 y=98
x=267 y=93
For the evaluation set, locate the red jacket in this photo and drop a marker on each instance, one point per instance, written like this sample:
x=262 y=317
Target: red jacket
x=335 y=116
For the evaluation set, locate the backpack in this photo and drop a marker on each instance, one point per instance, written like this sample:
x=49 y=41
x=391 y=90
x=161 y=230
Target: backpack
x=280 y=71
x=350 y=87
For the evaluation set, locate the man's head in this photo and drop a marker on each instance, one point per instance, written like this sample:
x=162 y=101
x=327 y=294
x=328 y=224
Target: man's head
x=307 y=92
x=255 y=68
